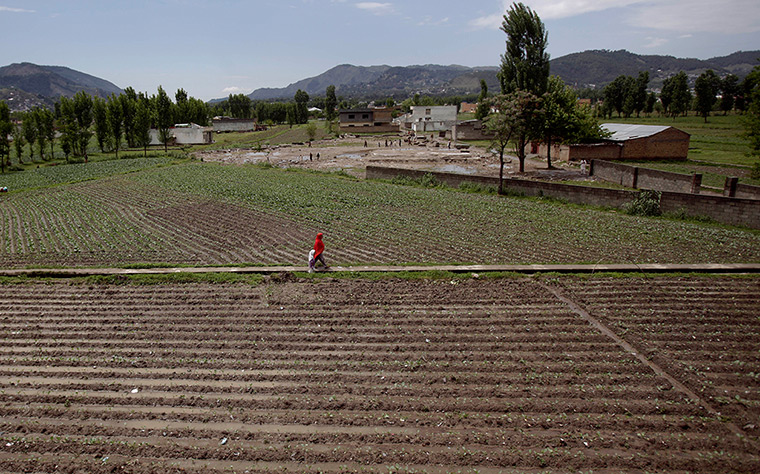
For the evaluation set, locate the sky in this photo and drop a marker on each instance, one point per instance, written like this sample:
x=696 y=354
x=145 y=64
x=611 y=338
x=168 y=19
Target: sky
x=213 y=48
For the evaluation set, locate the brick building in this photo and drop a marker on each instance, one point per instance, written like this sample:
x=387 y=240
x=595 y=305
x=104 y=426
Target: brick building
x=627 y=142
x=367 y=120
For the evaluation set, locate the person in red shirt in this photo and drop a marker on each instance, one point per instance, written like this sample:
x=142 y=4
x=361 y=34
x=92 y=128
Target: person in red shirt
x=319 y=251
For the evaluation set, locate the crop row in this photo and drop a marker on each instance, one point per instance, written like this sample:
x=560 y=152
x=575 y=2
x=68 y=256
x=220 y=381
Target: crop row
x=201 y=213
x=351 y=375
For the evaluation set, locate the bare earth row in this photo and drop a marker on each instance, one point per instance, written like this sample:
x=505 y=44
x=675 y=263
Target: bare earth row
x=501 y=375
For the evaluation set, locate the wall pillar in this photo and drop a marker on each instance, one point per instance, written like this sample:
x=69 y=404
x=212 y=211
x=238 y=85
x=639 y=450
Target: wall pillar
x=729 y=189
x=696 y=183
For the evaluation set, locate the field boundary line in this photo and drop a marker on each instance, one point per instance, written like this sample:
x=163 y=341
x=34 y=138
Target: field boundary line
x=629 y=348
x=526 y=269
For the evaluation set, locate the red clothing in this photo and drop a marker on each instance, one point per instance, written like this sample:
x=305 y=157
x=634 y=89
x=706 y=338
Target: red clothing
x=319 y=246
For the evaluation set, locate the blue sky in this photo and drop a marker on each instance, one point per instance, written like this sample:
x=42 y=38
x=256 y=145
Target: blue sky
x=213 y=48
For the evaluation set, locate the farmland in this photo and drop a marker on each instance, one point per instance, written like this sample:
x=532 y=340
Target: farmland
x=329 y=375
x=333 y=373
x=190 y=213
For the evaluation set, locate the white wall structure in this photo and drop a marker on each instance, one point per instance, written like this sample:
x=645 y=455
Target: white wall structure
x=432 y=118
x=185 y=134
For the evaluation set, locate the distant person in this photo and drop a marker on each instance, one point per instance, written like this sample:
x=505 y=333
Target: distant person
x=583 y=166
x=319 y=250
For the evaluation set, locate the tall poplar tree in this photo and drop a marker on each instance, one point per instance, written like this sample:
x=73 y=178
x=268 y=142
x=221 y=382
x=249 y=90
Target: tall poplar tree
x=525 y=64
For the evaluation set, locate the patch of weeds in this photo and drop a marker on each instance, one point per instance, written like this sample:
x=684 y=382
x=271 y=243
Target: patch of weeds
x=476 y=188
x=646 y=204
x=428 y=180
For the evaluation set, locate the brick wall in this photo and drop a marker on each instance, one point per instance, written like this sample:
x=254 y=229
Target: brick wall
x=644 y=178
x=727 y=210
x=747 y=191
x=722 y=209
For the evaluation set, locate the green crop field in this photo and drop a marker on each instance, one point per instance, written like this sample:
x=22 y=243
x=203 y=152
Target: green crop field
x=158 y=211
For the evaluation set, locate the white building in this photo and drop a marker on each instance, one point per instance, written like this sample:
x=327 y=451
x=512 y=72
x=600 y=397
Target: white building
x=432 y=118
x=185 y=134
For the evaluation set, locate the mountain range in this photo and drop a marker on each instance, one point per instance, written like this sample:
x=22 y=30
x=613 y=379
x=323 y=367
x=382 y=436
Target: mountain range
x=25 y=85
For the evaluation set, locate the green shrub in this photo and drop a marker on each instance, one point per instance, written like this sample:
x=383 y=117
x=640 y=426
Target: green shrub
x=646 y=204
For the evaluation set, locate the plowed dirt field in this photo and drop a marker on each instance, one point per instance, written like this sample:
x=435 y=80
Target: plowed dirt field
x=466 y=375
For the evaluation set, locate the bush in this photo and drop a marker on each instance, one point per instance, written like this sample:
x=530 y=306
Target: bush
x=646 y=204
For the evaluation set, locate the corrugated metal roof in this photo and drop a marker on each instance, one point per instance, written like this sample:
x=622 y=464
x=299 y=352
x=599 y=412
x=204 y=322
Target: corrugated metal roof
x=623 y=131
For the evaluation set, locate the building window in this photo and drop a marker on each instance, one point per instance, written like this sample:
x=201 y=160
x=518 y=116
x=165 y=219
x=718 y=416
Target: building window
x=427 y=111
x=350 y=116
x=365 y=116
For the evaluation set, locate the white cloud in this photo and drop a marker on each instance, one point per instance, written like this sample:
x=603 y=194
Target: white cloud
x=694 y=16
x=15 y=10
x=376 y=7
x=235 y=90
x=727 y=16
x=654 y=42
x=429 y=21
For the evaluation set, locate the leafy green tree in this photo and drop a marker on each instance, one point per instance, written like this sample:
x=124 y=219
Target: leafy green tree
x=67 y=125
x=115 y=114
x=164 y=119
x=29 y=130
x=515 y=115
x=18 y=142
x=6 y=126
x=675 y=96
x=751 y=119
x=483 y=106
x=331 y=103
x=525 y=64
x=240 y=106
x=291 y=115
x=83 y=115
x=128 y=105
x=141 y=125
x=562 y=120
x=102 y=131
x=729 y=88
x=620 y=94
x=311 y=131
x=640 y=94
x=39 y=123
x=706 y=88
x=302 y=108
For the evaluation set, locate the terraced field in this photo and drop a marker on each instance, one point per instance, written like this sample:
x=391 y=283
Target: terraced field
x=447 y=375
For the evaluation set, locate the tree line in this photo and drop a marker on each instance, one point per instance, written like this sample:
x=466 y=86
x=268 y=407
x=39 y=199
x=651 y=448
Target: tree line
x=114 y=121
x=627 y=95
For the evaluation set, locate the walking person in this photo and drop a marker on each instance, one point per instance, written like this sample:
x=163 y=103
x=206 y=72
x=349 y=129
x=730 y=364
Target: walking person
x=319 y=250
